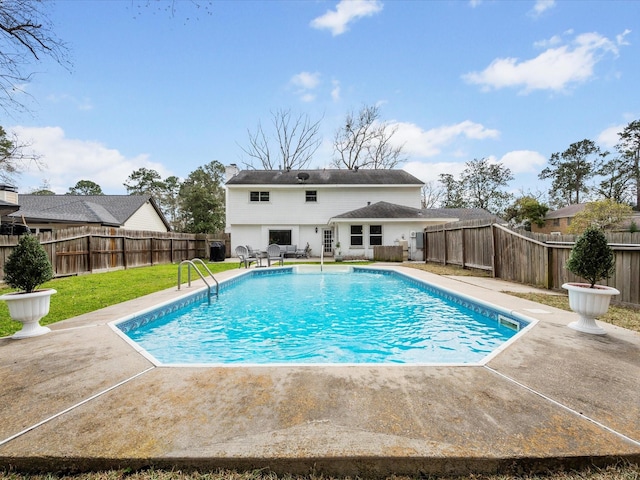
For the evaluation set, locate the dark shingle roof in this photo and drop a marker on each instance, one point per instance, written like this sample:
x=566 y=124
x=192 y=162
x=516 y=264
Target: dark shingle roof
x=324 y=177
x=464 y=213
x=384 y=210
x=110 y=210
x=391 y=210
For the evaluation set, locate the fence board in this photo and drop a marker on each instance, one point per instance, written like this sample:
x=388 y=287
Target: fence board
x=392 y=253
x=530 y=258
x=81 y=250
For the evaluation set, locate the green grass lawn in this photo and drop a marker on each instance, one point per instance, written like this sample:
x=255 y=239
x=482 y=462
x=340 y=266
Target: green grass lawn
x=87 y=293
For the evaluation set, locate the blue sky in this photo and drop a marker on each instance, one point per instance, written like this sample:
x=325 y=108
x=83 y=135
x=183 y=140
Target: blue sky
x=513 y=81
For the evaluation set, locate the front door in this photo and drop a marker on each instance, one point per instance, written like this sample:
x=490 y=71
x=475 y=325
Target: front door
x=327 y=241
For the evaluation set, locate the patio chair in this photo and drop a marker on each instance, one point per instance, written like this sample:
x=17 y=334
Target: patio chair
x=246 y=259
x=274 y=254
x=306 y=252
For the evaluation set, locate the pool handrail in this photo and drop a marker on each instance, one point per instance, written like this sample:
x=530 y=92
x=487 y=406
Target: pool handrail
x=192 y=263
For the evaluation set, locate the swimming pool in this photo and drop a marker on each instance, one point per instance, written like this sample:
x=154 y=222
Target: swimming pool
x=359 y=315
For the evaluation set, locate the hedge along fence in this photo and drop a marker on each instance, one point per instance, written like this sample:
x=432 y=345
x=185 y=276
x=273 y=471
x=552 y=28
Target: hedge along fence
x=81 y=250
x=532 y=259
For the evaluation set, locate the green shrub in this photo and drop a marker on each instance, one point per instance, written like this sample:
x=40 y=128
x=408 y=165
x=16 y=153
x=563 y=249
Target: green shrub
x=28 y=266
x=591 y=257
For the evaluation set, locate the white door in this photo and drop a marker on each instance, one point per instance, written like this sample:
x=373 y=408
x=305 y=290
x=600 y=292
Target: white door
x=327 y=240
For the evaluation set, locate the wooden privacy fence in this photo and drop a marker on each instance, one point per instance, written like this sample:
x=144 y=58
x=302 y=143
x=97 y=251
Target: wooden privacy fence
x=387 y=253
x=532 y=259
x=81 y=250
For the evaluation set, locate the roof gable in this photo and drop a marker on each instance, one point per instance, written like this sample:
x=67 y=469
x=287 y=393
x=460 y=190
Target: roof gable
x=393 y=211
x=386 y=210
x=110 y=210
x=324 y=177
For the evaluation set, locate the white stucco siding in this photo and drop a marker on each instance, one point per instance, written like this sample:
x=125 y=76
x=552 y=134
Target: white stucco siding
x=393 y=232
x=257 y=236
x=145 y=218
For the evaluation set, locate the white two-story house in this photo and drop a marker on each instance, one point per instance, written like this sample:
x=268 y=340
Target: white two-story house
x=357 y=209
x=323 y=207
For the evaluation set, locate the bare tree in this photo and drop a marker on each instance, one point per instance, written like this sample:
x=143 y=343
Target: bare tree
x=26 y=36
x=432 y=194
x=14 y=156
x=292 y=145
x=365 y=142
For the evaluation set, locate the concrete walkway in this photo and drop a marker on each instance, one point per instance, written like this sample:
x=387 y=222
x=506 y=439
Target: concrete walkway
x=80 y=398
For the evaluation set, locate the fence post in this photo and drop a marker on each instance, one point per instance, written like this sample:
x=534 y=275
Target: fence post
x=444 y=245
x=425 y=243
x=124 y=252
x=493 y=251
x=90 y=256
x=548 y=280
x=464 y=263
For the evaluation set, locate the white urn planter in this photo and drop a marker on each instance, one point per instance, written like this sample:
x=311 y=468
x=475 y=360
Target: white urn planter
x=589 y=303
x=29 y=308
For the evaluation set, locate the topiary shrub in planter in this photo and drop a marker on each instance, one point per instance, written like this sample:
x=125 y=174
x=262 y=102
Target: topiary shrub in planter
x=592 y=259
x=26 y=269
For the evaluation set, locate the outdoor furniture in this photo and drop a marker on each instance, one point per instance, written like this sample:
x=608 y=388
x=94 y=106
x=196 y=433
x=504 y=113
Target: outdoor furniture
x=288 y=250
x=245 y=257
x=306 y=252
x=274 y=254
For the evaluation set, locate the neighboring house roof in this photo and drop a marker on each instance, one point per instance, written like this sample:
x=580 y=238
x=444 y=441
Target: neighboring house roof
x=324 y=177
x=392 y=211
x=565 y=212
x=108 y=210
x=465 y=213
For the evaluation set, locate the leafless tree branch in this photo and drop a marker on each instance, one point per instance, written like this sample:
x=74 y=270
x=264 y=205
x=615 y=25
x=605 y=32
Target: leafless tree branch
x=297 y=139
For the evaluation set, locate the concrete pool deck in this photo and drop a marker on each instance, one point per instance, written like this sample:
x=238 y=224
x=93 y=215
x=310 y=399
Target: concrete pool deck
x=80 y=398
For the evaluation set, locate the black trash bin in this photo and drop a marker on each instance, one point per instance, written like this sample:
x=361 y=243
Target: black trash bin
x=217 y=252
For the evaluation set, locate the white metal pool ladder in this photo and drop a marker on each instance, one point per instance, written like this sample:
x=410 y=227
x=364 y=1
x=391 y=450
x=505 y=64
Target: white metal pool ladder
x=192 y=263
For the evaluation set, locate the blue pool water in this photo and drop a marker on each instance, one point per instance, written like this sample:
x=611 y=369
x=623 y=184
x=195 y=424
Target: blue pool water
x=360 y=317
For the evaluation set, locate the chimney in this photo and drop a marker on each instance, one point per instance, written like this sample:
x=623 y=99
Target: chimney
x=8 y=193
x=231 y=171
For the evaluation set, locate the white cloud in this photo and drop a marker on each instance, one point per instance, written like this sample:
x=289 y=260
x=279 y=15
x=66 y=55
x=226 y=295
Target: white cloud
x=542 y=6
x=554 y=69
x=620 y=40
x=523 y=161
x=304 y=84
x=428 y=143
x=69 y=160
x=83 y=104
x=335 y=92
x=346 y=12
x=306 y=80
x=609 y=137
x=430 y=172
